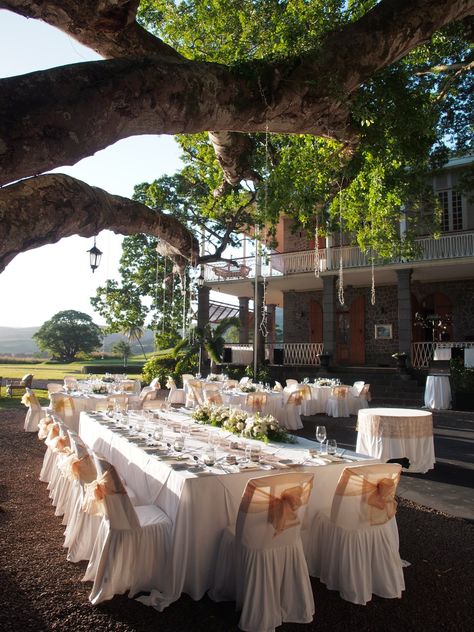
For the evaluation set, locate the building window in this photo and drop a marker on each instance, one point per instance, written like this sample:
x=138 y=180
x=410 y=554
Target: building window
x=451 y=205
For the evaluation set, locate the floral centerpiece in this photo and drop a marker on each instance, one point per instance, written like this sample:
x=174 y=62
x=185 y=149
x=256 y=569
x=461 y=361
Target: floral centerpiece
x=326 y=381
x=248 y=388
x=263 y=428
x=212 y=377
x=108 y=378
x=100 y=389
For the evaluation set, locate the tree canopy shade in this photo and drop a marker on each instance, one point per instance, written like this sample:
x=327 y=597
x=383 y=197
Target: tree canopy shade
x=297 y=68
x=67 y=333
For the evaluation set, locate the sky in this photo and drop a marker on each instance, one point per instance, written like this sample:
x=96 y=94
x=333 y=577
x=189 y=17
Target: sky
x=41 y=282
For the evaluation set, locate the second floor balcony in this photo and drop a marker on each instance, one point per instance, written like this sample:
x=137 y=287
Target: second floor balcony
x=450 y=247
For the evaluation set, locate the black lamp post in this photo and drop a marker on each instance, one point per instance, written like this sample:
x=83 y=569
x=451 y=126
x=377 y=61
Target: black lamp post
x=94 y=257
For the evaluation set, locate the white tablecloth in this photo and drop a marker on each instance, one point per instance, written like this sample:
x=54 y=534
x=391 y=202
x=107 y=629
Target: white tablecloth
x=84 y=402
x=199 y=504
x=438 y=392
x=442 y=353
x=388 y=433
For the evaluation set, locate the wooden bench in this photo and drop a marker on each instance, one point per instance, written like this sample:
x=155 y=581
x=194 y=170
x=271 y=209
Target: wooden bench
x=18 y=385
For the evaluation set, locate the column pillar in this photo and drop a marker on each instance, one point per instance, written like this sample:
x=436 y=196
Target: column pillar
x=244 y=319
x=404 y=311
x=202 y=320
x=329 y=314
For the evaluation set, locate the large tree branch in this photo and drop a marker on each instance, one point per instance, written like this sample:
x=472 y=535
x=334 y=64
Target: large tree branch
x=63 y=206
x=305 y=95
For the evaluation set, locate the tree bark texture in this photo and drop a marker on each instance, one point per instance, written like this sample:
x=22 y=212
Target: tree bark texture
x=56 y=117
x=71 y=207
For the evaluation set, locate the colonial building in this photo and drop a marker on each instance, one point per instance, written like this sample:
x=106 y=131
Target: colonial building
x=400 y=306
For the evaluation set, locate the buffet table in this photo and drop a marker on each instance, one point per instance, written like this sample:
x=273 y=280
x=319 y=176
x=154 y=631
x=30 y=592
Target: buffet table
x=388 y=433
x=200 y=501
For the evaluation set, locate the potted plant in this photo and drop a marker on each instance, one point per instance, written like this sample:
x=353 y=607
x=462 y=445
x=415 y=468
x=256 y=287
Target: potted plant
x=402 y=358
x=324 y=360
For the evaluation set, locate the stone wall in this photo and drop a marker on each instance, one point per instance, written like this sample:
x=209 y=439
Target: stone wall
x=296 y=314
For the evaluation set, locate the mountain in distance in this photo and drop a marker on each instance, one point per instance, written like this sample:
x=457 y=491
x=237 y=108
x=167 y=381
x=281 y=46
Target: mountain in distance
x=19 y=341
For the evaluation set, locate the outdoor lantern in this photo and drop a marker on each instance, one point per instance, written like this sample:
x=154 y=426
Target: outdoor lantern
x=200 y=279
x=94 y=257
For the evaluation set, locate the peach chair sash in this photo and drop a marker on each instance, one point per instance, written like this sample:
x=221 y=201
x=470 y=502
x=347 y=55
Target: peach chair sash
x=43 y=426
x=377 y=484
x=30 y=400
x=170 y=383
x=79 y=469
x=95 y=493
x=295 y=398
x=282 y=509
x=62 y=404
x=278 y=388
x=256 y=401
x=365 y=392
x=340 y=391
x=53 y=433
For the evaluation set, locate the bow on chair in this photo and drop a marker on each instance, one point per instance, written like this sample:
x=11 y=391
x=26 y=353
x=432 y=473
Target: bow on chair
x=170 y=383
x=382 y=501
x=282 y=511
x=26 y=400
x=43 y=426
x=96 y=492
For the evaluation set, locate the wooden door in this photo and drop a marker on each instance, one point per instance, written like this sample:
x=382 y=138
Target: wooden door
x=315 y=321
x=350 y=334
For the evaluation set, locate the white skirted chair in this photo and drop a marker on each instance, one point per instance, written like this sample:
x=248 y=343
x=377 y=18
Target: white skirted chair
x=176 y=395
x=338 y=402
x=291 y=412
x=256 y=402
x=132 y=387
x=278 y=388
x=70 y=383
x=231 y=384
x=35 y=411
x=291 y=382
x=130 y=550
x=48 y=427
x=355 y=549
x=261 y=563
x=360 y=399
x=194 y=394
x=63 y=406
x=82 y=527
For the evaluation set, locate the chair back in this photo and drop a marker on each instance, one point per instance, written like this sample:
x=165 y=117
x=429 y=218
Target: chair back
x=155 y=383
x=31 y=400
x=230 y=384
x=365 y=392
x=196 y=390
x=213 y=397
x=54 y=388
x=244 y=380
x=107 y=496
x=79 y=465
x=70 y=382
x=272 y=510
x=120 y=400
x=340 y=392
x=292 y=382
x=170 y=383
x=256 y=402
x=365 y=495
x=185 y=377
x=295 y=398
x=357 y=387
x=278 y=387
x=63 y=406
x=131 y=386
x=27 y=380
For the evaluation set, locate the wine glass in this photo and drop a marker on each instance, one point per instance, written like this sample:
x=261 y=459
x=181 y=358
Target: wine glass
x=158 y=434
x=321 y=436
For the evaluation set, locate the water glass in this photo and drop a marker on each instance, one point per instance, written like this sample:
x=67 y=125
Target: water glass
x=209 y=456
x=158 y=434
x=332 y=446
x=179 y=443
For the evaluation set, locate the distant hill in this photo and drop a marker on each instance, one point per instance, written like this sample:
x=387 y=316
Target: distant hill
x=19 y=341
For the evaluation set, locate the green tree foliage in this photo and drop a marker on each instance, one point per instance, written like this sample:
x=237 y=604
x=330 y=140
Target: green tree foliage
x=123 y=349
x=208 y=338
x=409 y=118
x=148 y=292
x=67 y=333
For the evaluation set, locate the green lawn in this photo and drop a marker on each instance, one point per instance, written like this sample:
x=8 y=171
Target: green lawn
x=50 y=371
x=7 y=403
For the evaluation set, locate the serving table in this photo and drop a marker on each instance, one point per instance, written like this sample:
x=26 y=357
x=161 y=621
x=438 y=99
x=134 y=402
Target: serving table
x=200 y=501
x=388 y=433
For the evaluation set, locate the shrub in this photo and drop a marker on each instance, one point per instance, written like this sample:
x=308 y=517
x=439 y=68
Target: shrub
x=161 y=366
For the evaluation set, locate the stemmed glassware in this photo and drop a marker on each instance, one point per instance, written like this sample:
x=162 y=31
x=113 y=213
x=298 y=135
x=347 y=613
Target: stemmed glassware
x=321 y=436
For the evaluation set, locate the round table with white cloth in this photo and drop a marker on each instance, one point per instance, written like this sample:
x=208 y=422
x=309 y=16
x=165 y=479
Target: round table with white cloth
x=389 y=433
x=438 y=392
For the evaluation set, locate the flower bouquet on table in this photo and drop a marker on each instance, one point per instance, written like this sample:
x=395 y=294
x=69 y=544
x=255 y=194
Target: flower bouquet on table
x=248 y=388
x=108 y=378
x=100 y=389
x=266 y=429
x=212 y=377
x=236 y=421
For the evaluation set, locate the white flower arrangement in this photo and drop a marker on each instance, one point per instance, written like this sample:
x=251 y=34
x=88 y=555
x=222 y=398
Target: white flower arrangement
x=248 y=388
x=325 y=381
x=100 y=389
x=212 y=377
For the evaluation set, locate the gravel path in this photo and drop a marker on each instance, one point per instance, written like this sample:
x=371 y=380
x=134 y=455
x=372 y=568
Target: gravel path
x=40 y=590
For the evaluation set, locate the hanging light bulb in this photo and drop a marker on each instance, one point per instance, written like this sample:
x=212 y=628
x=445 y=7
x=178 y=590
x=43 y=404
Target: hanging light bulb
x=95 y=256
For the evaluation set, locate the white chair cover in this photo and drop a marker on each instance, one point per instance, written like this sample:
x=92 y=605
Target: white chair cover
x=338 y=402
x=263 y=567
x=54 y=388
x=64 y=407
x=131 y=546
x=355 y=549
x=176 y=395
x=35 y=411
x=360 y=400
x=291 y=412
x=244 y=380
x=291 y=382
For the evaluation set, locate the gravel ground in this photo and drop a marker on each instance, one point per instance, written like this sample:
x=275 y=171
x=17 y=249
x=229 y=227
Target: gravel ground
x=40 y=590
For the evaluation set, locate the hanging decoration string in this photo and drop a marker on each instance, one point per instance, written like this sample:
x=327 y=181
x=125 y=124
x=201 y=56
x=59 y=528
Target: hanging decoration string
x=316 y=249
x=340 y=286
x=163 y=287
x=264 y=268
x=372 y=289
x=183 y=294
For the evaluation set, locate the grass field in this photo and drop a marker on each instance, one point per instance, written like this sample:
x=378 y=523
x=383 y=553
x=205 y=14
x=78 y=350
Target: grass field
x=50 y=371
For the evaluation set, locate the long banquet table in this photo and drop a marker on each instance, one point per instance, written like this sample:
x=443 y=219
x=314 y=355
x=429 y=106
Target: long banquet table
x=388 y=433
x=199 y=502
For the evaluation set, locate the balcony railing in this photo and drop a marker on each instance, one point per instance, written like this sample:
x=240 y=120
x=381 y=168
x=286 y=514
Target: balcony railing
x=294 y=353
x=453 y=246
x=422 y=352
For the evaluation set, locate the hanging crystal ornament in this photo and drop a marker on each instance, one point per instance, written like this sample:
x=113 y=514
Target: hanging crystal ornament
x=340 y=283
x=263 y=248
x=183 y=294
x=316 y=250
x=372 y=289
